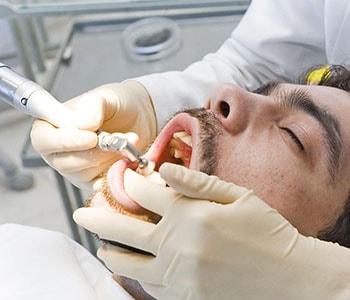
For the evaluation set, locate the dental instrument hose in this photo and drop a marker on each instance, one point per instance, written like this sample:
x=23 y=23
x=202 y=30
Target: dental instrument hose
x=30 y=98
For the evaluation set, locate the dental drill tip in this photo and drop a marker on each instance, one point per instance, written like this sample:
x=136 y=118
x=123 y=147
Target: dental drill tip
x=143 y=163
x=146 y=168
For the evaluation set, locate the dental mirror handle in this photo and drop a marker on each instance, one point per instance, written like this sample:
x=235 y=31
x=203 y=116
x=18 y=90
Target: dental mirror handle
x=32 y=99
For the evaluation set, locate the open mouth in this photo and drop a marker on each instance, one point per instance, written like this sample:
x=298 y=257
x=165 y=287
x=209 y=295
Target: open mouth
x=177 y=143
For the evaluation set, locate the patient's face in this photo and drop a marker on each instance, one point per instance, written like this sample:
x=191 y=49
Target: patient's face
x=288 y=143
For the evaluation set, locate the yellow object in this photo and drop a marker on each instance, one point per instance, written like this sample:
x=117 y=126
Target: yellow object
x=315 y=76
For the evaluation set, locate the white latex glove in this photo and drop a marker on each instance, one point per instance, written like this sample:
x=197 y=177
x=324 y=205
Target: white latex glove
x=233 y=246
x=120 y=107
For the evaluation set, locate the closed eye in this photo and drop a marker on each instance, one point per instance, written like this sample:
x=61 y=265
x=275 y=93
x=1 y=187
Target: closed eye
x=294 y=138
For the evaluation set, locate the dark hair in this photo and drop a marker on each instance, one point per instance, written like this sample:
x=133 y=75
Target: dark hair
x=339 y=232
x=336 y=76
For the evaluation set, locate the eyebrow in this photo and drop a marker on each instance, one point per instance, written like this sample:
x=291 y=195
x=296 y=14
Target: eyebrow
x=301 y=100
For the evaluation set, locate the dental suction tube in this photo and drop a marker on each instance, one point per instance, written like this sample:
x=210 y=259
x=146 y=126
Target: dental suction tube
x=32 y=99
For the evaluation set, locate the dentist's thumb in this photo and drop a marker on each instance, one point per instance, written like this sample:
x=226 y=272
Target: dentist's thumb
x=198 y=185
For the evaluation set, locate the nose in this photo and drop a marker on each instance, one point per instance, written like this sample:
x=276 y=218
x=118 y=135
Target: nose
x=236 y=107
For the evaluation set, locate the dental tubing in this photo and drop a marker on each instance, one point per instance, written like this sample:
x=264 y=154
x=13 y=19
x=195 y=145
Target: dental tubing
x=30 y=98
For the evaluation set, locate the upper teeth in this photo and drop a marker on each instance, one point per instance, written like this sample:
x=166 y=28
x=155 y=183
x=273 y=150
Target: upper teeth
x=176 y=146
x=184 y=137
x=178 y=150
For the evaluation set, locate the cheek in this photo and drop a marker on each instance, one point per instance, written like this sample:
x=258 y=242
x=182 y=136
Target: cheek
x=285 y=186
x=251 y=169
x=250 y=161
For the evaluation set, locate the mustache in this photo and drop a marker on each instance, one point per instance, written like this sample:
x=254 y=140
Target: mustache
x=210 y=130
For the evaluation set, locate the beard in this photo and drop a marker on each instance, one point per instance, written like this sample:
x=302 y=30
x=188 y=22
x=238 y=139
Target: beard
x=339 y=232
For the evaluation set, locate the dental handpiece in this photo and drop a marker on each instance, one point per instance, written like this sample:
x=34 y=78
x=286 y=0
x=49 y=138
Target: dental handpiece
x=30 y=98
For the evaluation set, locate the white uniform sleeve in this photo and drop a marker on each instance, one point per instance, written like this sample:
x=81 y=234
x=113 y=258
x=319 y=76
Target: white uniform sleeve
x=275 y=39
x=38 y=264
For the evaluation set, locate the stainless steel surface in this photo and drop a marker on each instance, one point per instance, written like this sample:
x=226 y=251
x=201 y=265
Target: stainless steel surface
x=98 y=52
x=151 y=39
x=9 y=83
x=29 y=97
x=16 y=8
x=32 y=41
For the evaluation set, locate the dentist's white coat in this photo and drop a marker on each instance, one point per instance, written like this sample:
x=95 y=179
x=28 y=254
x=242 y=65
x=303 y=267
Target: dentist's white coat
x=275 y=39
x=37 y=264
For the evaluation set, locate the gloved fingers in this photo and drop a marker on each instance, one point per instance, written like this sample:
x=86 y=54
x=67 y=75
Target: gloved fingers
x=89 y=111
x=87 y=178
x=147 y=194
x=70 y=162
x=83 y=185
x=89 y=174
x=141 y=267
x=111 y=225
x=93 y=108
x=199 y=185
x=107 y=102
x=61 y=139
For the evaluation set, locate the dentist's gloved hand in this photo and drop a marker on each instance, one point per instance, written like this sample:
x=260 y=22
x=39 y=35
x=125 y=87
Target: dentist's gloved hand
x=216 y=240
x=121 y=107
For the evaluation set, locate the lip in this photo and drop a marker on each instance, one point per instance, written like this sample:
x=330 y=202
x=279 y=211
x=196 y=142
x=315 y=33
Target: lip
x=158 y=153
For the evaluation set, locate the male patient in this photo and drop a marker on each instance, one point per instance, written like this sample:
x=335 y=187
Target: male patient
x=289 y=143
